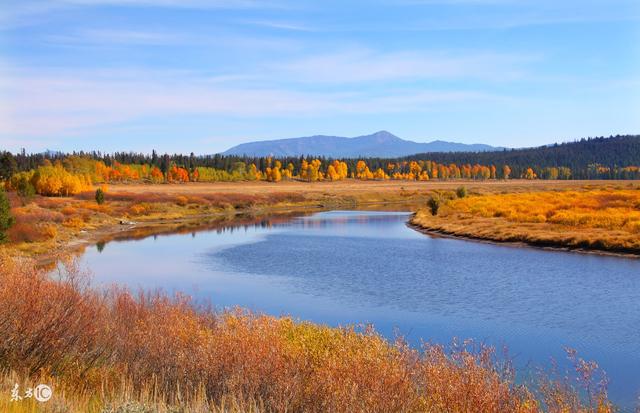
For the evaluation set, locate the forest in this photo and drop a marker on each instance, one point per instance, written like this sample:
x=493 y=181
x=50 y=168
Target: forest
x=615 y=157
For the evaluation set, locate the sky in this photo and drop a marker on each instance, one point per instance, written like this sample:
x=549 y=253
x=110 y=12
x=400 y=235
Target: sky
x=202 y=76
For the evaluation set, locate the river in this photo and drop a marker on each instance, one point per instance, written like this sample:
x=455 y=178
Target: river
x=344 y=267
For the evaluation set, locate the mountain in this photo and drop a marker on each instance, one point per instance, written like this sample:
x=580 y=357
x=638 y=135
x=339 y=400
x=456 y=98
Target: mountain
x=378 y=145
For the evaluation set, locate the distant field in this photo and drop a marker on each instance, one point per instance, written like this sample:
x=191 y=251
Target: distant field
x=356 y=186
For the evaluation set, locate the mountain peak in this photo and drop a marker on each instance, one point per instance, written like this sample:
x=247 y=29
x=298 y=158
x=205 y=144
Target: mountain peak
x=382 y=136
x=382 y=144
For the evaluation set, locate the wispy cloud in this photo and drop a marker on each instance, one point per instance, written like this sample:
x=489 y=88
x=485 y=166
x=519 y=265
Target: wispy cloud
x=27 y=12
x=362 y=65
x=42 y=104
x=281 y=25
x=119 y=37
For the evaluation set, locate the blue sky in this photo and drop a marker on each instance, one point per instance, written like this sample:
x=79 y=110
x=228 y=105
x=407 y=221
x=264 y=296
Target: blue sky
x=201 y=76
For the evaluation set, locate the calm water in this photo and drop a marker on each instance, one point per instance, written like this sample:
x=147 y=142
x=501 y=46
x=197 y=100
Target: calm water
x=369 y=267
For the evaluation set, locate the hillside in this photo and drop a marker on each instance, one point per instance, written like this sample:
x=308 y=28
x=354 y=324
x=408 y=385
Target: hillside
x=380 y=144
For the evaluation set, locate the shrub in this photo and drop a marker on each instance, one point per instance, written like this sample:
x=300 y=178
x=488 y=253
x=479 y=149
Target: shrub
x=32 y=232
x=73 y=222
x=461 y=192
x=22 y=183
x=182 y=200
x=434 y=203
x=6 y=219
x=100 y=196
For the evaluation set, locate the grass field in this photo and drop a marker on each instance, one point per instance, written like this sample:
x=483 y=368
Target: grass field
x=48 y=226
x=601 y=219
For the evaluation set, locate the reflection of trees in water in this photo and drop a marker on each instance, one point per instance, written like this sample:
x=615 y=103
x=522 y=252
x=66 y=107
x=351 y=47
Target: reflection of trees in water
x=367 y=218
x=223 y=224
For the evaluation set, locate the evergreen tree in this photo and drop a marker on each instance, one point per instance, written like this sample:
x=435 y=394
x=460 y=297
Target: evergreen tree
x=8 y=165
x=6 y=220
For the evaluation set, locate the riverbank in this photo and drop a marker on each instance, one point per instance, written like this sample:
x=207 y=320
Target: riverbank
x=604 y=220
x=49 y=227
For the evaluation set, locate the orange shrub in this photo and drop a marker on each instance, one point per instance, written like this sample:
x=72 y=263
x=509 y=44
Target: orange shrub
x=140 y=209
x=182 y=200
x=74 y=222
x=69 y=210
x=31 y=232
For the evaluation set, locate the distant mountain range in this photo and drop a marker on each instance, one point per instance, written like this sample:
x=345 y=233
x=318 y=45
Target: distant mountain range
x=378 y=145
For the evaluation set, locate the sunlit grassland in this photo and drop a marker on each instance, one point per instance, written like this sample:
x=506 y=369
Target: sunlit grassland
x=48 y=224
x=606 y=219
x=102 y=350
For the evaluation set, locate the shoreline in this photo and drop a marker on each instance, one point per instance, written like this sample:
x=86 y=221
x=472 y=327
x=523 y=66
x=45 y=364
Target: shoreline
x=540 y=245
x=124 y=231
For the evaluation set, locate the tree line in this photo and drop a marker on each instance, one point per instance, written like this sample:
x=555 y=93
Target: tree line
x=57 y=173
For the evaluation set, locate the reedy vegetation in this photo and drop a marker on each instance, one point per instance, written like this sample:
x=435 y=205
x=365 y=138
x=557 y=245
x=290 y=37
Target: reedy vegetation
x=106 y=348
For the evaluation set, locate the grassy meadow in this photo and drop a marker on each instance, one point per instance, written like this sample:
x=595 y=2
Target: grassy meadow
x=602 y=219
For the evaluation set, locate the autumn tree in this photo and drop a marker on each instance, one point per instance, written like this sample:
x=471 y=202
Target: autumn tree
x=337 y=170
x=253 y=172
x=564 y=172
x=274 y=174
x=304 y=166
x=332 y=174
x=310 y=171
x=178 y=174
x=313 y=173
x=506 y=171
x=414 y=170
x=379 y=174
x=156 y=175
x=54 y=180
x=362 y=171
x=529 y=174
x=22 y=183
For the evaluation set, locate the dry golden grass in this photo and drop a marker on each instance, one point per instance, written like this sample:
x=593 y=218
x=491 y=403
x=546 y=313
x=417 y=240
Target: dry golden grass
x=49 y=225
x=603 y=219
x=105 y=350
